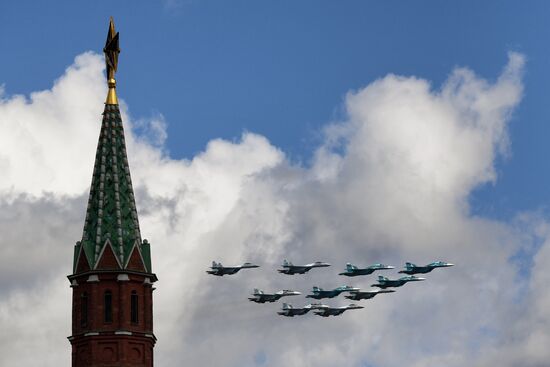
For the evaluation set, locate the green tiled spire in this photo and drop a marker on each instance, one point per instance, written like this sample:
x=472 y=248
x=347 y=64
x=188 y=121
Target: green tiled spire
x=111 y=216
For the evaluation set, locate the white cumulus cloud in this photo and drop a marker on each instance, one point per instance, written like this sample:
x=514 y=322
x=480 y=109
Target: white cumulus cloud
x=389 y=184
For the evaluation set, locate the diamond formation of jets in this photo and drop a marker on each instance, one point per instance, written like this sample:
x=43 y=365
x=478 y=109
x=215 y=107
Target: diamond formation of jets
x=320 y=293
x=385 y=282
x=353 y=271
x=219 y=270
x=260 y=297
x=358 y=295
x=354 y=293
x=412 y=269
x=326 y=311
x=291 y=269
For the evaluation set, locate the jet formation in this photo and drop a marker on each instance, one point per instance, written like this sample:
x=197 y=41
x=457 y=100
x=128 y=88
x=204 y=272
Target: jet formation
x=353 y=293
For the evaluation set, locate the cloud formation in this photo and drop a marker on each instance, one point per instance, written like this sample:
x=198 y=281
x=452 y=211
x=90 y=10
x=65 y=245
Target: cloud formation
x=390 y=183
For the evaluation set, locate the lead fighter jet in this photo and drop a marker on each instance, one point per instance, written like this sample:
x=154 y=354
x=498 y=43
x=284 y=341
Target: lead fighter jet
x=326 y=311
x=352 y=270
x=261 y=297
x=219 y=270
x=290 y=311
x=411 y=268
x=384 y=282
x=319 y=293
x=291 y=269
x=358 y=295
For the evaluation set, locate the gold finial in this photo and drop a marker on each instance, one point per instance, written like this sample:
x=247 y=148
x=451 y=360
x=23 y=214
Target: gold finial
x=111 y=51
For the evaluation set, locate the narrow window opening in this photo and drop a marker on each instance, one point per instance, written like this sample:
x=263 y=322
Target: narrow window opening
x=84 y=309
x=108 y=306
x=134 y=307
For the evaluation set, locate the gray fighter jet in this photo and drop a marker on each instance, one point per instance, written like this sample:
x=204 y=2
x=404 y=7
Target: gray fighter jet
x=220 y=270
x=261 y=297
x=415 y=269
x=353 y=271
x=358 y=295
x=290 y=311
x=384 y=282
x=326 y=311
x=291 y=269
x=319 y=293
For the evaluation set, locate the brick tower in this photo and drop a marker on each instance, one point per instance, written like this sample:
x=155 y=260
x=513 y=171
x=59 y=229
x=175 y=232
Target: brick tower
x=112 y=316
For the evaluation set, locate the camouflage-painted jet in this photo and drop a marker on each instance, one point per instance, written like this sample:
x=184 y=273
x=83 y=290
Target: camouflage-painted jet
x=261 y=297
x=220 y=270
x=319 y=293
x=291 y=269
x=326 y=311
x=290 y=311
x=384 y=282
x=415 y=269
x=358 y=295
x=353 y=271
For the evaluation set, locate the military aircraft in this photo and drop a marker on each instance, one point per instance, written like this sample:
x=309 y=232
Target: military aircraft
x=384 y=282
x=319 y=293
x=290 y=311
x=326 y=311
x=220 y=270
x=358 y=295
x=353 y=271
x=415 y=269
x=261 y=297
x=291 y=269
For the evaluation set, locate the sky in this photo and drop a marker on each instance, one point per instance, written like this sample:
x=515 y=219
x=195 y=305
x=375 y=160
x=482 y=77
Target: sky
x=363 y=131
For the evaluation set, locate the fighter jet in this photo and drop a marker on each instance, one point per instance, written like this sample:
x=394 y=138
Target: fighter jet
x=319 y=293
x=358 y=295
x=290 y=311
x=220 y=270
x=289 y=268
x=353 y=271
x=415 y=269
x=326 y=311
x=261 y=297
x=384 y=282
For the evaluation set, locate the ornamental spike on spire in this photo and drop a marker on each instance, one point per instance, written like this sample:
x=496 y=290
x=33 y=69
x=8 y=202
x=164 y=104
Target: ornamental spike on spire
x=111 y=225
x=111 y=51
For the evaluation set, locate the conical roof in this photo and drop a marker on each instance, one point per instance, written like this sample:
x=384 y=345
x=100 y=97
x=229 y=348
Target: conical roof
x=111 y=226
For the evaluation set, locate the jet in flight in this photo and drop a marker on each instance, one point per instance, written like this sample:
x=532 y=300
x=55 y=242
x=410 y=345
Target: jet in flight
x=220 y=270
x=326 y=311
x=353 y=271
x=384 y=282
x=358 y=295
x=320 y=293
x=289 y=268
x=415 y=269
x=260 y=297
x=290 y=311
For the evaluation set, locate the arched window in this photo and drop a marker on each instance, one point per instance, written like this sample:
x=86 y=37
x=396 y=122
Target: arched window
x=84 y=309
x=134 y=307
x=108 y=306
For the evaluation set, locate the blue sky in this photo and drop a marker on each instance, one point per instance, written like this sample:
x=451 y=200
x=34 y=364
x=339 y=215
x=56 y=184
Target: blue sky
x=282 y=69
